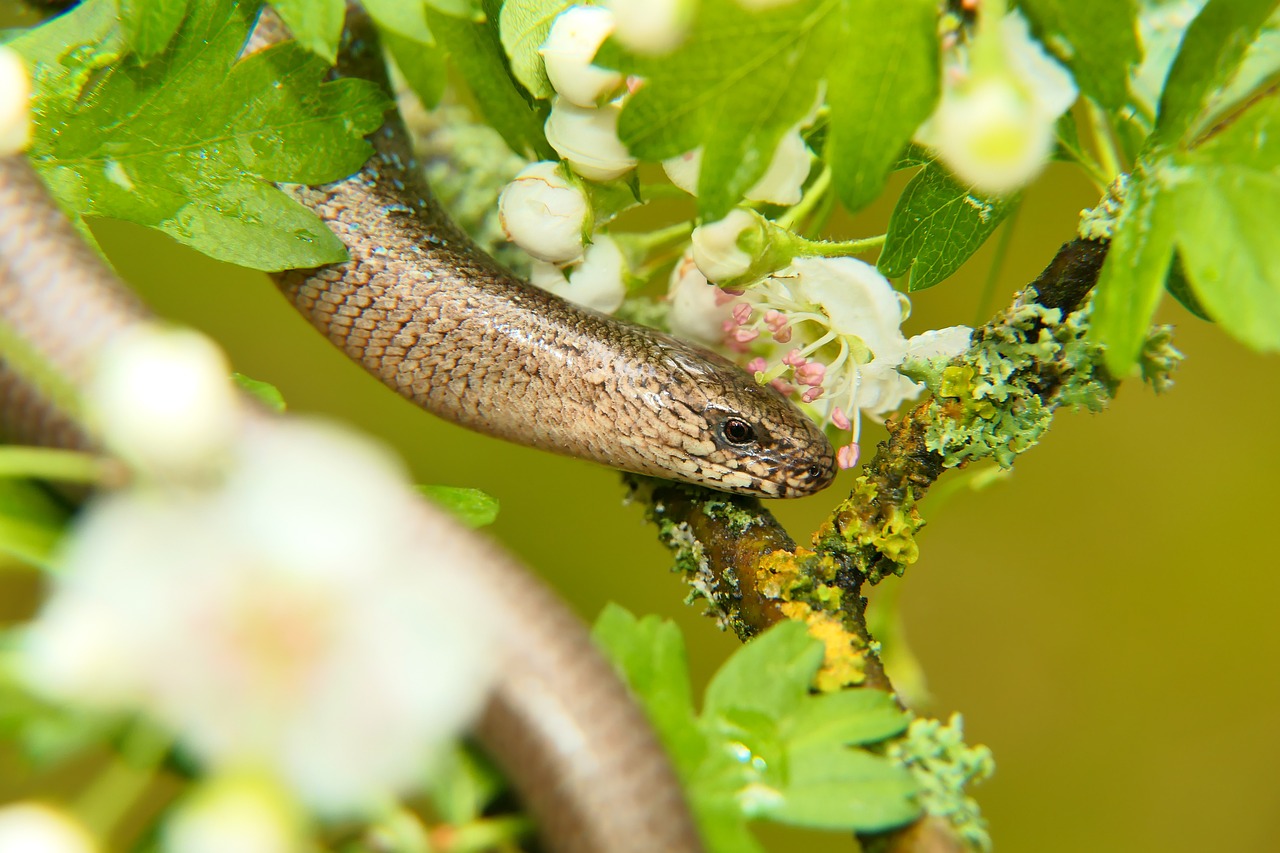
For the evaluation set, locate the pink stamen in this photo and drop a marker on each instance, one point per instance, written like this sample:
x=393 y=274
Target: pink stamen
x=783 y=335
x=757 y=365
x=847 y=456
x=723 y=297
x=811 y=395
x=741 y=313
x=811 y=373
x=745 y=336
x=634 y=83
x=793 y=358
x=784 y=387
x=840 y=419
x=728 y=326
x=774 y=320
x=733 y=292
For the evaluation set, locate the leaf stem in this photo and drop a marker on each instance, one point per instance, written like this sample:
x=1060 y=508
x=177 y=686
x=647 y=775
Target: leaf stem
x=44 y=463
x=1104 y=142
x=834 y=249
x=1095 y=172
x=129 y=773
x=645 y=242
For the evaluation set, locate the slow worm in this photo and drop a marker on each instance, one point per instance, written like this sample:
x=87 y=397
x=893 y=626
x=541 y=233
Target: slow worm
x=439 y=321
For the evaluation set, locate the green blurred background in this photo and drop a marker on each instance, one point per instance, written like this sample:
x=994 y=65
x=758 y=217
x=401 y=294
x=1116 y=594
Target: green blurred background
x=1103 y=619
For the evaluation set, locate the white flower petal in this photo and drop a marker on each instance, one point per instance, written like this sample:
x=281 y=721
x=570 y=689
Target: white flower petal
x=15 y=102
x=30 y=827
x=696 y=311
x=597 y=283
x=544 y=214
x=715 y=246
x=651 y=26
x=575 y=36
x=588 y=140
x=782 y=182
x=949 y=342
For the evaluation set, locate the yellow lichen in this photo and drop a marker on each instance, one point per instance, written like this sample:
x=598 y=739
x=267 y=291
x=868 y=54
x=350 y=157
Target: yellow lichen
x=843 y=660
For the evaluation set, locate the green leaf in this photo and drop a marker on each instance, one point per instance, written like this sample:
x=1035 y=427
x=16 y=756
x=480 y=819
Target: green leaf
x=739 y=82
x=1211 y=52
x=523 y=26
x=423 y=66
x=472 y=507
x=771 y=674
x=1132 y=279
x=883 y=86
x=463 y=783
x=149 y=25
x=1180 y=289
x=316 y=24
x=845 y=789
x=405 y=19
x=476 y=51
x=1097 y=39
x=31 y=522
x=937 y=225
x=264 y=392
x=848 y=717
x=190 y=143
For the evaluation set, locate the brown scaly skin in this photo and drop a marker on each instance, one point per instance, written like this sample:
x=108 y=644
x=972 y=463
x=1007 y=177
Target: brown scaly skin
x=435 y=318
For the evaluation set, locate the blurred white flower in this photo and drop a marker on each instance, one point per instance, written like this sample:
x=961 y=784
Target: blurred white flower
x=15 y=102
x=163 y=401
x=545 y=214
x=598 y=283
x=995 y=123
x=588 y=139
x=781 y=183
x=651 y=26
x=245 y=813
x=699 y=309
x=834 y=340
x=761 y=5
x=575 y=36
x=716 y=246
x=30 y=827
x=300 y=617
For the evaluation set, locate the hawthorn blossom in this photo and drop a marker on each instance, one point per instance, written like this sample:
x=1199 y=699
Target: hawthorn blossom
x=31 y=827
x=716 y=246
x=827 y=331
x=301 y=616
x=1001 y=99
x=246 y=813
x=545 y=214
x=699 y=309
x=587 y=138
x=575 y=36
x=598 y=283
x=162 y=400
x=651 y=27
x=15 y=98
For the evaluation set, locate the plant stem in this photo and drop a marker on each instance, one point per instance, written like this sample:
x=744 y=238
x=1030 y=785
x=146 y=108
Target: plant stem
x=44 y=463
x=819 y=189
x=831 y=249
x=131 y=770
x=1105 y=143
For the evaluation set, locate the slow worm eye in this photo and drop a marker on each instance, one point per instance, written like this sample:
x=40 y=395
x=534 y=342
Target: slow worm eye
x=737 y=431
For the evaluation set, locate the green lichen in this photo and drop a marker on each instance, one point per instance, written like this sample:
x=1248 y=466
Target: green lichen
x=691 y=563
x=866 y=529
x=1099 y=223
x=999 y=397
x=944 y=766
x=1159 y=358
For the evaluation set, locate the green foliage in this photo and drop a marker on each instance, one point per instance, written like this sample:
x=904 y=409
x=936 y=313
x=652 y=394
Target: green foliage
x=264 y=392
x=937 y=225
x=423 y=66
x=884 y=85
x=31 y=522
x=476 y=51
x=738 y=83
x=472 y=507
x=763 y=746
x=1097 y=39
x=316 y=24
x=190 y=143
x=149 y=25
x=523 y=26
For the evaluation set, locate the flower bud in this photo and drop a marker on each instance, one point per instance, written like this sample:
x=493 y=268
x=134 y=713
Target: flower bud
x=232 y=811
x=575 y=36
x=15 y=97
x=742 y=247
x=30 y=827
x=162 y=399
x=598 y=283
x=545 y=214
x=781 y=183
x=588 y=139
x=699 y=308
x=651 y=26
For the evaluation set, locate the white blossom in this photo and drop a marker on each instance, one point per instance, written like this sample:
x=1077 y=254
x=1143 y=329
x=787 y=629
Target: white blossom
x=699 y=309
x=162 y=400
x=575 y=36
x=762 y=5
x=588 y=139
x=651 y=26
x=782 y=182
x=716 y=248
x=301 y=616
x=994 y=127
x=245 y=813
x=31 y=827
x=828 y=331
x=545 y=214
x=15 y=100
x=598 y=283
